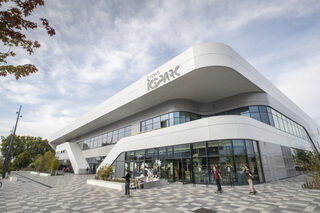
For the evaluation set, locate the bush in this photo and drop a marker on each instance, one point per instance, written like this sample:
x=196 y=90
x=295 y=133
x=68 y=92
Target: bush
x=54 y=165
x=313 y=167
x=105 y=172
x=44 y=163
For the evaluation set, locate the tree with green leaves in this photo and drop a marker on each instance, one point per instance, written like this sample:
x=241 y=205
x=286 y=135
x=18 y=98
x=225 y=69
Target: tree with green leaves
x=14 y=24
x=25 y=149
x=47 y=162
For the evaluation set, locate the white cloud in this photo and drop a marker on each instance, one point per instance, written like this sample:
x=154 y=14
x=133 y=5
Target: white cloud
x=300 y=82
x=101 y=47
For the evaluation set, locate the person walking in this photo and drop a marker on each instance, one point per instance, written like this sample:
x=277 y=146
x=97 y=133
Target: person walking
x=218 y=178
x=127 y=184
x=250 y=179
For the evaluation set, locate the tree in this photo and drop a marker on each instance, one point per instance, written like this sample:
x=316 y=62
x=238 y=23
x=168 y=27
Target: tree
x=25 y=149
x=45 y=163
x=23 y=160
x=13 y=27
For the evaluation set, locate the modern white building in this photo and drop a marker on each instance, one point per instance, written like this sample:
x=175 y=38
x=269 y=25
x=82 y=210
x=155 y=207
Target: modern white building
x=207 y=106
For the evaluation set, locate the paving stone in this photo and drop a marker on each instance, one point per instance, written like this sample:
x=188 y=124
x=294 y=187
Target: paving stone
x=70 y=193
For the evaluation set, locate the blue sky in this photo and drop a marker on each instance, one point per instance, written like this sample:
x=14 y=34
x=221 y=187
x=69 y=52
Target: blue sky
x=101 y=47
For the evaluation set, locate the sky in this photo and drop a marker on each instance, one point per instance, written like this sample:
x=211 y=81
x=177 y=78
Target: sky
x=103 y=46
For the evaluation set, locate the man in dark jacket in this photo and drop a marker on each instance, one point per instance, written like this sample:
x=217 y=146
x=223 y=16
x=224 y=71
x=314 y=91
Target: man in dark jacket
x=127 y=186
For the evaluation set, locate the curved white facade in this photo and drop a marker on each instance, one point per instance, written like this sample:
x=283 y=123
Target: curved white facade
x=205 y=79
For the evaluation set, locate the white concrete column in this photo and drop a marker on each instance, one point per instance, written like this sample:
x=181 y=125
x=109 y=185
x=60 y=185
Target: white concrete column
x=76 y=157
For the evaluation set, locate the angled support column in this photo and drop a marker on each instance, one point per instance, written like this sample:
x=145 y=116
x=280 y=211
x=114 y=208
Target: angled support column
x=76 y=157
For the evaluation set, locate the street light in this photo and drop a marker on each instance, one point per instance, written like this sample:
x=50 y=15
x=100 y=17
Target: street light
x=8 y=154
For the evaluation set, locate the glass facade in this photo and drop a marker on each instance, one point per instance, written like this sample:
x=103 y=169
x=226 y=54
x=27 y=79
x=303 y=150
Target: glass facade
x=264 y=114
x=104 y=139
x=192 y=163
x=166 y=120
x=271 y=117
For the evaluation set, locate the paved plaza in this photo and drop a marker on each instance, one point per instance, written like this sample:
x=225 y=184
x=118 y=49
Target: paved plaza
x=70 y=193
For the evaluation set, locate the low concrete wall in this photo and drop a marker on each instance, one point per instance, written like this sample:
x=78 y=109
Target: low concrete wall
x=45 y=174
x=161 y=182
x=107 y=184
x=34 y=173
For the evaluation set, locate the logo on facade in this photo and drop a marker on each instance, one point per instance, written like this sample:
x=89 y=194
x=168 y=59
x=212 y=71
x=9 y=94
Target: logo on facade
x=155 y=79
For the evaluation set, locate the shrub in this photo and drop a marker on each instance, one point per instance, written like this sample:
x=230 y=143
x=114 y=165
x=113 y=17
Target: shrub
x=313 y=167
x=44 y=163
x=54 y=165
x=105 y=172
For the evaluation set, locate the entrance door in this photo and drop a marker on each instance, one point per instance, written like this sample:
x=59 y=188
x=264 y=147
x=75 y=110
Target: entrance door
x=169 y=170
x=178 y=170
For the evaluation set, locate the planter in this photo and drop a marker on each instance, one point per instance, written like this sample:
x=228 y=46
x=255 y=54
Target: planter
x=45 y=174
x=34 y=173
x=107 y=184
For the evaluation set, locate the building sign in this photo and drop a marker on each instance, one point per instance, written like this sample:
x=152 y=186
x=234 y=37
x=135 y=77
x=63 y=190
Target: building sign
x=157 y=78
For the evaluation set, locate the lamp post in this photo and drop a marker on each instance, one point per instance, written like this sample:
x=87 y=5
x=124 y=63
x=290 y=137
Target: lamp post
x=8 y=154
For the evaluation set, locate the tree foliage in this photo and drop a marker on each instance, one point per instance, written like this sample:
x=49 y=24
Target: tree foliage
x=13 y=27
x=25 y=149
x=47 y=162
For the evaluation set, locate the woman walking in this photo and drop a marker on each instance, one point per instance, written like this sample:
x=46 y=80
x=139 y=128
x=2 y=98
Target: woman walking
x=250 y=180
x=218 y=178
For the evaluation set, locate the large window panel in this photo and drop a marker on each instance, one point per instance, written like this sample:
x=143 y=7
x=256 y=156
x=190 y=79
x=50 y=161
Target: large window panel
x=225 y=147
x=182 y=150
x=213 y=148
x=199 y=149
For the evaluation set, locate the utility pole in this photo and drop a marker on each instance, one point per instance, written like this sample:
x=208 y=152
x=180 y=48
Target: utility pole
x=8 y=154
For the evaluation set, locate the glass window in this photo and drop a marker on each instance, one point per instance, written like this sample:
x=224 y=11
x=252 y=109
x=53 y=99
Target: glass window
x=187 y=116
x=176 y=114
x=213 y=148
x=129 y=156
x=162 y=152
x=263 y=109
x=156 y=120
x=127 y=131
x=156 y=125
x=171 y=115
x=115 y=136
x=171 y=122
x=170 y=151
x=238 y=147
x=99 y=141
x=199 y=149
x=281 y=123
x=176 y=121
x=264 y=117
x=225 y=147
x=275 y=119
x=148 y=122
x=109 y=138
x=164 y=123
x=140 y=154
x=164 y=117
x=249 y=146
x=253 y=109
x=255 y=115
x=151 y=153
x=194 y=116
x=121 y=134
x=182 y=150
x=149 y=127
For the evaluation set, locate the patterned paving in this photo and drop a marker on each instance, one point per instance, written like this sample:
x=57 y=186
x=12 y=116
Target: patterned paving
x=69 y=193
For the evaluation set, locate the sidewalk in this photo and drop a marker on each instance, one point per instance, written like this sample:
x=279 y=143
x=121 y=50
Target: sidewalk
x=70 y=193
